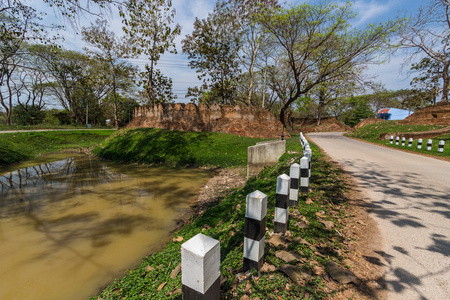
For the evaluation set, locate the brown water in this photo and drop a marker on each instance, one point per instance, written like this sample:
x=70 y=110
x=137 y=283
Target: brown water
x=69 y=227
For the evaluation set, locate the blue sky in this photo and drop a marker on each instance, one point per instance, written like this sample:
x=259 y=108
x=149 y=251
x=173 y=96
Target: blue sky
x=176 y=66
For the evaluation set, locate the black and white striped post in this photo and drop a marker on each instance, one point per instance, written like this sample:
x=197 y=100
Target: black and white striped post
x=403 y=141
x=294 y=174
x=397 y=139
x=281 y=204
x=441 y=146
x=254 y=230
x=419 y=143
x=200 y=266
x=392 y=139
x=304 y=174
x=308 y=153
x=410 y=142
x=429 y=144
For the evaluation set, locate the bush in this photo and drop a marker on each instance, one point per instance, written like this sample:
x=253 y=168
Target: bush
x=27 y=115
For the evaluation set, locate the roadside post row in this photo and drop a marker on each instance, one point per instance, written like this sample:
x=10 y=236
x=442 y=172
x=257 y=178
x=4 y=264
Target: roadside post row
x=419 y=143
x=200 y=256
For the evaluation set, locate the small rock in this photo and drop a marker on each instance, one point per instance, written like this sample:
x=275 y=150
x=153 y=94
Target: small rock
x=287 y=256
x=297 y=274
x=175 y=271
x=339 y=274
x=277 y=240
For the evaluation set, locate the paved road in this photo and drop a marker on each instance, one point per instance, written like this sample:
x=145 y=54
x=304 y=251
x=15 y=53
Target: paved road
x=408 y=195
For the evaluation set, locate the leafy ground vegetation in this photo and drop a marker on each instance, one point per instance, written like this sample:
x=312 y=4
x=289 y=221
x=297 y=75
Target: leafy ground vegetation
x=313 y=226
x=176 y=148
x=372 y=133
x=19 y=146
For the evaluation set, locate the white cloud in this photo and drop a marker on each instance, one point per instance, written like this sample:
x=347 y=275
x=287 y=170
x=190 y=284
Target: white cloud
x=372 y=11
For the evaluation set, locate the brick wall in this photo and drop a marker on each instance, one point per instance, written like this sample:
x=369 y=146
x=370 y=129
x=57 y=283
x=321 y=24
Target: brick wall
x=244 y=121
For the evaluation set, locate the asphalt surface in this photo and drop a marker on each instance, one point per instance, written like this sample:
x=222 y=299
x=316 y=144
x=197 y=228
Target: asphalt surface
x=408 y=195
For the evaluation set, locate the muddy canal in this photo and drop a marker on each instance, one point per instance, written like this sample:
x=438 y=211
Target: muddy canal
x=70 y=226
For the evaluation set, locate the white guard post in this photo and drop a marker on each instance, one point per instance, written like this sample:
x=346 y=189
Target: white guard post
x=281 y=204
x=200 y=266
x=254 y=230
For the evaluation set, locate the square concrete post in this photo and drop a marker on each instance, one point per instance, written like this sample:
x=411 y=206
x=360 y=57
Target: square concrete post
x=294 y=174
x=410 y=142
x=419 y=143
x=281 y=204
x=304 y=174
x=429 y=143
x=441 y=146
x=200 y=266
x=254 y=230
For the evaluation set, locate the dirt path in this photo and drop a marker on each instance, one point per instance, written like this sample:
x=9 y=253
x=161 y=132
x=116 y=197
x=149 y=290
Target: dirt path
x=408 y=197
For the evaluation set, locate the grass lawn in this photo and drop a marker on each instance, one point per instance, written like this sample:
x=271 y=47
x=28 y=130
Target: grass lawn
x=176 y=148
x=372 y=133
x=19 y=146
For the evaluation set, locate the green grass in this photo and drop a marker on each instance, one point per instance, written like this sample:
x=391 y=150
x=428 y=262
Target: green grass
x=4 y=127
x=372 y=133
x=176 y=148
x=19 y=146
x=224 y=221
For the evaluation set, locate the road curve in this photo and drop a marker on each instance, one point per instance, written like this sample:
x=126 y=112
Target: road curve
x=408 y=195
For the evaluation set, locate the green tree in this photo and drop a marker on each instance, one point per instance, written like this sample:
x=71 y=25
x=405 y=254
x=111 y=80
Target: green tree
x=427 y=81
x=212 y=50
x=147 y=24
x=112 y=51
x=318 y=44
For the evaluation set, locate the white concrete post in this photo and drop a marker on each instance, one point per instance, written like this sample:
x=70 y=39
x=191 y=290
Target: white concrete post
x=419 y=143
x=410 y=142
x=254 y=230
x=403 y=141
x=281 y=204
x=396 y=140
x=294 y=174
x=392 y=139
x=200 y=266
x=308 y=154
x=441 y=146
x=304 y=174
x=429 y=143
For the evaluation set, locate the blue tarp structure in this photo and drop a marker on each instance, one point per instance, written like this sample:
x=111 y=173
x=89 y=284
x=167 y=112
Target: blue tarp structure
x=393 y=114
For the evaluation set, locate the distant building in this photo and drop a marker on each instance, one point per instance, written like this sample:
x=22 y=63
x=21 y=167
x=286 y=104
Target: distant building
x=393 y=114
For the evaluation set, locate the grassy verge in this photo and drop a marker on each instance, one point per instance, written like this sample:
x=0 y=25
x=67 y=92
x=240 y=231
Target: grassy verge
x=19 y=146
x=372 y=133
x=176 y=148
x=4 y=127
x=224 y=221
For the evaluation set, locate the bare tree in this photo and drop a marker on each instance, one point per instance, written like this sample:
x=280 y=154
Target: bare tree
x=428 y=33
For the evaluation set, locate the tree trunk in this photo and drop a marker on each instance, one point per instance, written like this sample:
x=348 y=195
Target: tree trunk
x=446 y=84
x=116 y=117
x=250 y=88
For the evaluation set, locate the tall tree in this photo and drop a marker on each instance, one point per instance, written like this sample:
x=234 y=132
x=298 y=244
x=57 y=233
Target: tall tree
x=428 y=33
x=242 y=15
x=212 y=49
x=319 y=45
x=112 y=50
x=148 y=25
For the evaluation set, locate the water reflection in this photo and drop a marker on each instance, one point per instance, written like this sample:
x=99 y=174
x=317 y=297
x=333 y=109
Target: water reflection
x=68 y=227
